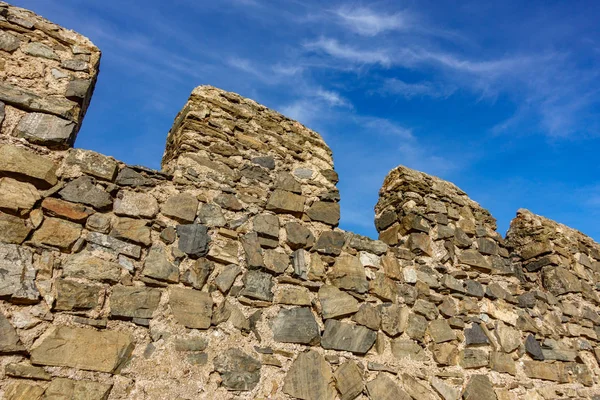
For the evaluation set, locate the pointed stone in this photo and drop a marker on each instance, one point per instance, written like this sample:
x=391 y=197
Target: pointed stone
x=310 y=378
x=479 y=387
x=385 y=388
x=296 y=325
x=347 y=337
x=349 y=380
x=9 y=339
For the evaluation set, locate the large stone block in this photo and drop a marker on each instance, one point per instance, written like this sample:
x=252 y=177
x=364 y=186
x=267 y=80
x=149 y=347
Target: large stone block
x=27 y=166
x=81 y=348
x=134 y=302
x=47 y=130
x=17 y=197
x=57 y=233
x=18 y=274
x=347 y=337
x=191 y=308
x=13 y=230
x=9 y=339
x=310 y=378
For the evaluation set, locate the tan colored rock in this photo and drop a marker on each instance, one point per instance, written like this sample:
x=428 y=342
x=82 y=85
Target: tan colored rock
x=13 y=230
x=348 y=273
x=103 y=351
x=335 y=303
x=349 y=380
x=57 y=233
x=61 y=388
x=65 y=209
x=310 y=378
x=181 y=207
x=27 y=166
x=542 y=370
x=385 y=388
x=135 y=205
x=23 y=391
x=132 y=230
x=191 y=308
x=85 y=265
x=17 y=197
x=286 y=202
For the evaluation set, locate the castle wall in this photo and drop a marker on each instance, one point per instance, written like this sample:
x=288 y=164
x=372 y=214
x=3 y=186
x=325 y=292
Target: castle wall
x=225 y=275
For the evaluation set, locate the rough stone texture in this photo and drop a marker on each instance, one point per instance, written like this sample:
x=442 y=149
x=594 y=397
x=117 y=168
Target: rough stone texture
x=82 y=348
x=258 y=264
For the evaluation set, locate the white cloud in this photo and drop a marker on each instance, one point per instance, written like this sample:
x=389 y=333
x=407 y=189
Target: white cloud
x=367 y=22
x=420 y=89
x=382 y=126
x=332 y=98
x=333 y=48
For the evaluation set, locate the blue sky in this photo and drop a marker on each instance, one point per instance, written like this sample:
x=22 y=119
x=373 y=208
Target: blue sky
x=501 y=98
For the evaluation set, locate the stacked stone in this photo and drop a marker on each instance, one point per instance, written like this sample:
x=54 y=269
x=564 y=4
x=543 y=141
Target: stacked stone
x=225 y=276
x=47 y=76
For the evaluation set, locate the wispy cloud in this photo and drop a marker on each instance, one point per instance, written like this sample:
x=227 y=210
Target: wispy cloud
x=408 y=90
x=334 y=48
x=368 y=22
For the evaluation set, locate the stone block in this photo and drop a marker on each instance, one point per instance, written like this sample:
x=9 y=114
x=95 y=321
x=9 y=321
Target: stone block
x=191 y=308
x=310 y=378
x=27 y=166
x=347 y=337
x=46 y=130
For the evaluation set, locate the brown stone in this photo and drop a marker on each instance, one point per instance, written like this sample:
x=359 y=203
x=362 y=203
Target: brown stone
x=72 y=295
x=61 y=388
x=64 y=209
x=85 y=265
x=326 y=212
x=134 y=302
x=191 y=308
x=385 y=388
x=349 y=380
x=348 y=273
x=13 y=230
x=25 y=165
x=57 y=233
x=335 y=303
x=479 y=387
x=440 y=331
x=541 y=370
x=310 y=378
x=103 y=351
x=23 y=391
x=181 y=207
x=9 y=339
x=474 y=259
x=286 y=202
x=132 y=230
x=17 y=197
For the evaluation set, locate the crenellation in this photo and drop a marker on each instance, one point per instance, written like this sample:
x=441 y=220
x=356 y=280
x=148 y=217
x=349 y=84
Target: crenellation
x=225 y=275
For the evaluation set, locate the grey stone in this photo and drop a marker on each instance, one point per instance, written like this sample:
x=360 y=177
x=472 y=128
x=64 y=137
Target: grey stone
x=191 y=308
x=394 y=319
x=296 y=325
x=8 y=42
x=384 y=388
x=348 y=273
x=475 y=335
x=558 y=281
x=385 y=220
x=62 y=388
x=85 y=265
x=195 y=343
x=87 y=349
x=300 y=263
x=287 y=182
x=135 y=205
x=369 y=316
x=446 y=391
x=363 y=243
x=226 y=278
x=298 y=236
x=479 y=387
x=239 y=371
x=211 y=215
x=416 y=389
x=72 y=295
x=229 y=202
x=384 y=287
x=326 y=212
x=335 y=303
x=508 y=338
x=116 y=245
x=473 y=358
x=535 y=249
x=330 y=243
x=2 y=112
x=282 y=201
x=310 y=378
x=156 y=266
x=47 y=130
x=266 y=225
x=533 y=348
x=132 y=178
x=474 y=259
x=266 y=162
x=78 y=89
x=193 y=240
x=251 y=245
x=133 y=301
x=27 y=166
x=349 y=380
x=503 y=363
x=132 y=230
x=13 y=230
x=84 y=190
x=258 y=285
x=440 y=331
x=181 y=207
x=303 y=173
x=474 y=288
x=75 y=65
x=98 y=222
x=29 y=101
x=425 y=308
x=416 y=327
x=347 y=337
x=27 y=372
x=17 y=274
x=9 y=339
x=255 y=173
x=36 y=49
x=198 y=273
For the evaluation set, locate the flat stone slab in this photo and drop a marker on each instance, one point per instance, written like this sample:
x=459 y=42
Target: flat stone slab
x=191 y=308
x=62 y=388
x=64 y=346
x=17 y=274
x=310 y=378
x=296 y=325
x=9 y=339
x=239 y=371
x=347 y=337
x=134 y=302
x=24 y=165
x=47 y=130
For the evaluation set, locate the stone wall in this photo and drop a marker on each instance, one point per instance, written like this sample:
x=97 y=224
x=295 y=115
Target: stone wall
x=225 y=276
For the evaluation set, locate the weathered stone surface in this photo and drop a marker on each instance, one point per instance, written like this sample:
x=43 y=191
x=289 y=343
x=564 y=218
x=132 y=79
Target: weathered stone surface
x=191 y=308
x=533 y=348
x=266 y=225
x=85 y=265
x=198 y=273
x=29 y=101
x=103 y=351
x=258 y=285
x=17 y=197
x=158 y=267
x=293 y=295
x=440 y=331
x=61 y=388
x=416 y=389
x=384 y=388
x=558 y=281
x=298 y=236
x=116 y=245
x=78 y=89
x=420 y=244
x=384 y=287
x=226 y=277
x=72 y=295
x=193 y=239
x=132 y=230
x=282 y=201
x=211 y=215
x=394 y=319
x=474 y=259
x=296 y=325
x=326 y=212
x=369 y=316
x=9 y=339
x=13 y=230
x=445 y=391
x=57 y=233
x=136 y=205
x=181 y=207
x=27 y=166
x=18 y=274
x=8 y=42
x=36 y=49
x=349 y=380
x=426 y=309
x=348 y=273
x=84 y=190
x=347 y=337
x=47 y=130
x=405 y=348
x=251 y=245
x=479 y=387
x=129 y=177
x=473 y=358
x=239 y=371
x=508 y=338
x=133 y=301
x=23 y=391
x=300 y=263
x=98 y=222
x=416 y=327
x=92 y=163
x=310 y=378
x=475 y=335
x=64 y=209
x=26 y=371
x=335 y=303
x=330 y=243
x=502 y=362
